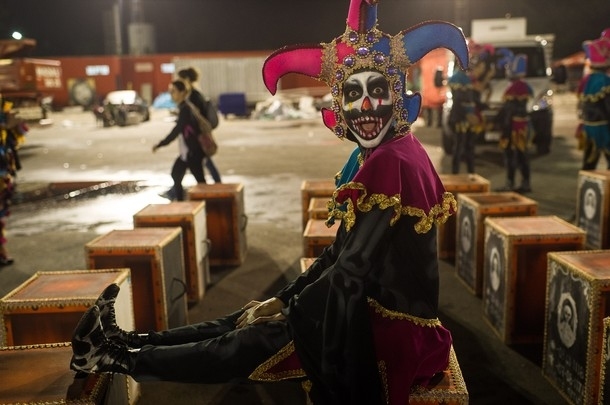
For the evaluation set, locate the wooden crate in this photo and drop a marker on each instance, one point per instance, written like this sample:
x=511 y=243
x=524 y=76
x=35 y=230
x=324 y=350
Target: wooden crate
x=47 y=306
x=473 y=208
x=604 y=376
x=318 y=208
x=39 y=374
x=314 y=188
x=514 y=272
x=191 y=217
x=226 y=221
x=154 y=256
x=456 y=184
x=577 y=299
x=317 y=236
x=450 y=389
x=593 y=207
x=306 y=262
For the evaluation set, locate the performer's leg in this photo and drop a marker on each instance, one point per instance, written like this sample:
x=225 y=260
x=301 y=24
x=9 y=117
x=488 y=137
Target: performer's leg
x=469 y=151
x=183 y=334
x=590 y=156
x=193 y=333
x=233 y=355
x=458 y=150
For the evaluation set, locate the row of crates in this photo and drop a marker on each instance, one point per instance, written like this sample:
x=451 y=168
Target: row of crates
x=162 y=266
x=541 y=279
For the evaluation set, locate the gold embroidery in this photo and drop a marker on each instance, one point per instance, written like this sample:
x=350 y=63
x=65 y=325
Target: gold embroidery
x=328 y=62
x=383 y=374
x=399 y=53
x=346 y=212
x=456 y=393
x=395 y=315
x=594 y=98
x=262 y=372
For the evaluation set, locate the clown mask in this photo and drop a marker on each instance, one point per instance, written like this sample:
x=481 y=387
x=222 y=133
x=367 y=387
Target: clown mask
x=367 y=107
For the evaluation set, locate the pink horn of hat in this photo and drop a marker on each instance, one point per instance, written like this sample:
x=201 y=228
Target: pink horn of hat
x=362 y=15
x=307 y=59
x=302 y=59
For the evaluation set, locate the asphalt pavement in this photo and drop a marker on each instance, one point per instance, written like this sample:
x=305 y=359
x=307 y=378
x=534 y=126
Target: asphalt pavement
x=79 y=181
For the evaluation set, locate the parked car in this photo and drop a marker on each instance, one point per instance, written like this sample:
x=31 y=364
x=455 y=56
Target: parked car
x=122 y=107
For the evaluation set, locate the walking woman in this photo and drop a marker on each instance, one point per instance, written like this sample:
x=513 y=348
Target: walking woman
x=190 y=153
x=190 y=76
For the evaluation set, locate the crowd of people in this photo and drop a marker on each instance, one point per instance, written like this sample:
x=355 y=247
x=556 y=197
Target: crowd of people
x=469 y=95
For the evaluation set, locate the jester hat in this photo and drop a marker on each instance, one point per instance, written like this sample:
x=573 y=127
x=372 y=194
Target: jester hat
x=598 y=52
x=515 y=65
x=364 y=47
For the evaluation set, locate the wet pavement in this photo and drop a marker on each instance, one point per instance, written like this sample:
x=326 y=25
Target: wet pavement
x=79 y=181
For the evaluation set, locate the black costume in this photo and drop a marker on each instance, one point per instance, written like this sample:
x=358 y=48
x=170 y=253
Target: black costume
x=361 y=323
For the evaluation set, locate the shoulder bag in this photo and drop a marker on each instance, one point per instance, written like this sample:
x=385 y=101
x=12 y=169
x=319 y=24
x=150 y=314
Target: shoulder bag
x=205 y=137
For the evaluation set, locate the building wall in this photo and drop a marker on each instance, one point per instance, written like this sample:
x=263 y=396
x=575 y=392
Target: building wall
x=88 y=79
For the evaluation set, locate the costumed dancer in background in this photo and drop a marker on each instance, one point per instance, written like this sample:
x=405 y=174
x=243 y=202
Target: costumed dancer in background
x=515 y=123
x=361 y=324
x=594 y=102
x=12 y=133
x=465 y=119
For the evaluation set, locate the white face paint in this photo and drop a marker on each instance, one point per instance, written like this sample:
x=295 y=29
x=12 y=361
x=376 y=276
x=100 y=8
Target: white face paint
x=367 y=107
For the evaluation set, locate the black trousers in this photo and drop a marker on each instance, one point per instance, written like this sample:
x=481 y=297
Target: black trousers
x=514 y=160
x=592 y=155
x=195 y=165
x=209 y=352
x=463 y=149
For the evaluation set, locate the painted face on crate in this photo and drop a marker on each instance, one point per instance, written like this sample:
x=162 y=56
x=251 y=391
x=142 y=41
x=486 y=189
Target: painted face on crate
x=367 y=107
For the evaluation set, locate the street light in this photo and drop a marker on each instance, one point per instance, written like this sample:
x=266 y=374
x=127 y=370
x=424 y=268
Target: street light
x=17 y=35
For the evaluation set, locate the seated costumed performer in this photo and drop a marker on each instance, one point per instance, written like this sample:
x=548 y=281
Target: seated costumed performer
x=360 y=326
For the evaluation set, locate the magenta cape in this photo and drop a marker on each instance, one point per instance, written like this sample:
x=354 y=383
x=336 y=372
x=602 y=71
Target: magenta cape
x=400 y=175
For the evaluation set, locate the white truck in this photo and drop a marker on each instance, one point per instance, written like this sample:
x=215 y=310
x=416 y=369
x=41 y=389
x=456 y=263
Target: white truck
x=511 y=33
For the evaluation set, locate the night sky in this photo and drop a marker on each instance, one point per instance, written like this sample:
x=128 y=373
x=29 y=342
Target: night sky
x=76 y=27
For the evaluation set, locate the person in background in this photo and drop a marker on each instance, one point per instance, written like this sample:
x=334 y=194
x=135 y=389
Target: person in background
x=461 y=119
x=12 y=133
x=190 y=153
x=515 y=123
x=190 y=76
x=370 y=300
x=465 y=119
x=594 y=103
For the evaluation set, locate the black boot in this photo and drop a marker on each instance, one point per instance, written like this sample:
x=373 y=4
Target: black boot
x=92 y=352
x=105 y=302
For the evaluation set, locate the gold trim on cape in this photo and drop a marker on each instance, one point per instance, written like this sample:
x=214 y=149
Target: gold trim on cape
x=346 y=212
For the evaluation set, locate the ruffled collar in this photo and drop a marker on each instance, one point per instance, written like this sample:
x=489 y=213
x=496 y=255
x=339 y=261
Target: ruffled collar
x=399 y=175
